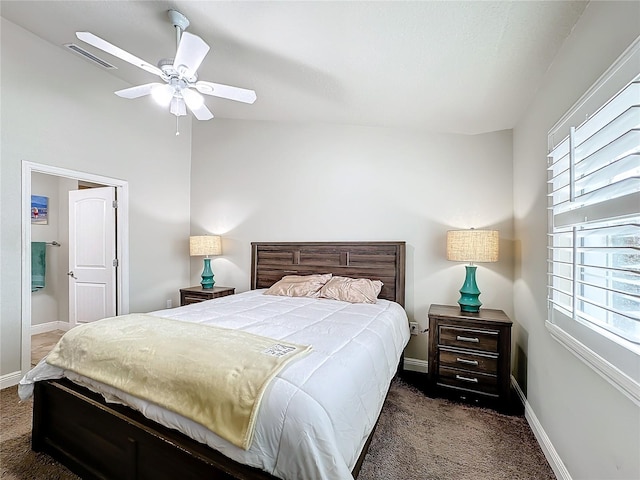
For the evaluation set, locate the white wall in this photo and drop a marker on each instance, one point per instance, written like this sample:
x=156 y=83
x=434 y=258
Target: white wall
x=594 y=428
x=58 y=109
x=261 y=181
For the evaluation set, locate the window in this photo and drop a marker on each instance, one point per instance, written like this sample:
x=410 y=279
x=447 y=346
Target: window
x=594 y=239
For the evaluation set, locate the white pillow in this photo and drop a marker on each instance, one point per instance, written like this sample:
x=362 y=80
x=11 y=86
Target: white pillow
x=352 y=290
x=299 y=285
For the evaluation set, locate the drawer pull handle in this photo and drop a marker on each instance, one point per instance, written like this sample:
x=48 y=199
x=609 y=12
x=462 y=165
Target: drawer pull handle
x=467 y=362
x=467 y=339
x=466 y=379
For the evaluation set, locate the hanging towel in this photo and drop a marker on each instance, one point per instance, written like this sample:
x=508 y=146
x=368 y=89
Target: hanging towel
x=38 y=256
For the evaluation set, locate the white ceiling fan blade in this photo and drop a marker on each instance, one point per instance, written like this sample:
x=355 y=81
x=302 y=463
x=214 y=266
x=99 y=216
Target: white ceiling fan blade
x=226 y=91
x=195 y=102
x=191 y=51
x=138 y=91
x=98 y=42
x=202 y=112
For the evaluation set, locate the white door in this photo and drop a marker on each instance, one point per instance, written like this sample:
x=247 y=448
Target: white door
x=92 y=254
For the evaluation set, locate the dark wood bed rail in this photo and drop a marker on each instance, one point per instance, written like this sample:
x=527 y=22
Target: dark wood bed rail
x=100 y=440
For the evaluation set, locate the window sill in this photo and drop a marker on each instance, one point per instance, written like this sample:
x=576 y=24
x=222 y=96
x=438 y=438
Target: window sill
x=620 y=380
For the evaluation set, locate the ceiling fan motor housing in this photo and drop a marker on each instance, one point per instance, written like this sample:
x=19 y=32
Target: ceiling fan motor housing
x=178 y=20
x=169 y=71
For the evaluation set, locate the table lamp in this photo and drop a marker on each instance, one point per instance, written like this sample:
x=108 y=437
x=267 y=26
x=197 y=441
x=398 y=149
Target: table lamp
x=205 y=245
x=471 y=246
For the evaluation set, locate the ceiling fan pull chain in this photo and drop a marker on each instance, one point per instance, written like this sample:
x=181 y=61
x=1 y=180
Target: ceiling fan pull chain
x=177 y=131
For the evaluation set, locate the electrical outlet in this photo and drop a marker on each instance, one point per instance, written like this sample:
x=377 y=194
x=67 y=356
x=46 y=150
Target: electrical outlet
x=169 y=303
x=414 y=328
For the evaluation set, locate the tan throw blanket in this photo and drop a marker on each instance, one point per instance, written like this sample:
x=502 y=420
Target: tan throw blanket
x=214 y=376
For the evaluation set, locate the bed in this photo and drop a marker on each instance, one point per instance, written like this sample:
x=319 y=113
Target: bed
x=97 y=439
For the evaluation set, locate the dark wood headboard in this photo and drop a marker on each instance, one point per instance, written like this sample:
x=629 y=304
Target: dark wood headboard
x=384 y=261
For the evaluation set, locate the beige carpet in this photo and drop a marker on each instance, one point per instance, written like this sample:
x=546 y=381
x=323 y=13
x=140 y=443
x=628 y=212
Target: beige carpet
x=435 y=439
x=417 y=438
x=17 y=460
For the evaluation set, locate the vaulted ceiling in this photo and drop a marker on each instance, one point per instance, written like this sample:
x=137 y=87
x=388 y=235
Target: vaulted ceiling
x=446 y=66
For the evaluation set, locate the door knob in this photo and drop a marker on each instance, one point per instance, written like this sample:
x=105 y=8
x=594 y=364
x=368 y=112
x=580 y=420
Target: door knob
x=72 y=275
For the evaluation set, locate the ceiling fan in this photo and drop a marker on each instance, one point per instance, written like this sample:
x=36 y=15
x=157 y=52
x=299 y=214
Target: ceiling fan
x=182 y=88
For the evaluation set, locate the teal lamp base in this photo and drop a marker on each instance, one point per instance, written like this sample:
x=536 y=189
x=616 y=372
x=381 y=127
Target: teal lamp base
x=207 y=275
x=469 y=292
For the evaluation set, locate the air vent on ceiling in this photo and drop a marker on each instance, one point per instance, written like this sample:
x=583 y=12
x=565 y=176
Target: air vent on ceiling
x=89 y=56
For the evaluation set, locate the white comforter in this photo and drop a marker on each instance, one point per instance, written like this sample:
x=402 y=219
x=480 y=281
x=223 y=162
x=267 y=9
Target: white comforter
x=317 y=413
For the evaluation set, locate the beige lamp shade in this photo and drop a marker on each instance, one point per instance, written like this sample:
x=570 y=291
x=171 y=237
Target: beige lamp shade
x=205 y=245
x=472 y=245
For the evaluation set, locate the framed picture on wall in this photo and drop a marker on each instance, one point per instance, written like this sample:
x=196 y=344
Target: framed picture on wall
x=39 y=210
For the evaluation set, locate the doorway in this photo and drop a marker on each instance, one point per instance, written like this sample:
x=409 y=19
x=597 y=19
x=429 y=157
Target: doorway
x=121 y=236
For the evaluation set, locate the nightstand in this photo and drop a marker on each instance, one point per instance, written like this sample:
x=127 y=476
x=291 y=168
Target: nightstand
x=470 y=354
x=199 y=294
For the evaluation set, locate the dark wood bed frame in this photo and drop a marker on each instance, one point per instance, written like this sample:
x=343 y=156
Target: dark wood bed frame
x=99 y=440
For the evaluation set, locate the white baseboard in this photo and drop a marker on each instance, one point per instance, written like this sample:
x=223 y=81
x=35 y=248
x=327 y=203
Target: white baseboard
x=415 y=365
x=556 y=463
x=49 y=327
x=10 y=379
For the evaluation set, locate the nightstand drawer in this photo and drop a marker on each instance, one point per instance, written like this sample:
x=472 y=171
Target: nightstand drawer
x=487 y=364
x=188 y=298
x=477 y=382
x=476 y=339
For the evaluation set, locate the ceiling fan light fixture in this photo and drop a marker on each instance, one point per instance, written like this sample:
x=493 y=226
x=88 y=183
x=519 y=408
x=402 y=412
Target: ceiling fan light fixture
x=178 y=107
x=162 y=94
